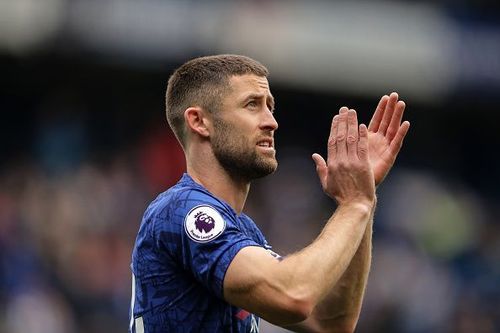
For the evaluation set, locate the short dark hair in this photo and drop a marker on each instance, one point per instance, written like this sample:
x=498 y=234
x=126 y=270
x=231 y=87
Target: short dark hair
x=203 y=82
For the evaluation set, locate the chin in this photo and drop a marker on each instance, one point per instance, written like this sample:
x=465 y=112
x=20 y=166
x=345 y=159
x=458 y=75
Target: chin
x=267 y=168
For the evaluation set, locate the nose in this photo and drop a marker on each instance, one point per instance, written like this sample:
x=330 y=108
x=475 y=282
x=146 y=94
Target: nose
x=268 y=121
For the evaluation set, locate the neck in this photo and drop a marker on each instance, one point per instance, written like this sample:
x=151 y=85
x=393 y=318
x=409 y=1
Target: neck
x=208 y=172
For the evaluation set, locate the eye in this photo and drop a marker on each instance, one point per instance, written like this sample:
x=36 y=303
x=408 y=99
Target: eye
x=252 y=104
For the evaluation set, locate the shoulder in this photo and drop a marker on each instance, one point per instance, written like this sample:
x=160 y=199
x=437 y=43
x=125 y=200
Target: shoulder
x=184 y=208
x=253 y=229
x=180 y=198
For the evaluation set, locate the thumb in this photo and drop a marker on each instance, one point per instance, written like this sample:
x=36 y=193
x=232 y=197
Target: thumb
x=321 y=168
x=319 y=160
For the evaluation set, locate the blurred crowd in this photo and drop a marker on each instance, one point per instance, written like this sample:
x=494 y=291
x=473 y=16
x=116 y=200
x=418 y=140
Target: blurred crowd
x=67 y=227
x=68 y=224
x=85 y=147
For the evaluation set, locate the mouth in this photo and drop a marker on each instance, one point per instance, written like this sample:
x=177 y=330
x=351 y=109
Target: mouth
x=266 y=144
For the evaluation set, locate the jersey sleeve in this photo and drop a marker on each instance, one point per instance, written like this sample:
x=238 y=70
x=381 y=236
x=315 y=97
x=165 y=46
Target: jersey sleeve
x=203 y=236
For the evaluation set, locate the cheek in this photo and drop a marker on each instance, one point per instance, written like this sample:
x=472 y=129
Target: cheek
x=246 y=139
x=237 y=134
x=246 y=122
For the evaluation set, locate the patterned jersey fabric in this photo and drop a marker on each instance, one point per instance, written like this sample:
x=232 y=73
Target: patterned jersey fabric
x=186 y=241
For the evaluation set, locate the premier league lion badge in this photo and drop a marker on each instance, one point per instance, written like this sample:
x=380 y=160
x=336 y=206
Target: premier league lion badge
x=204 y=223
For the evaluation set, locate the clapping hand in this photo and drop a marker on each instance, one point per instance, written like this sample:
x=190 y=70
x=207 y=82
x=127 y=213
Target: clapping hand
x=386 y=134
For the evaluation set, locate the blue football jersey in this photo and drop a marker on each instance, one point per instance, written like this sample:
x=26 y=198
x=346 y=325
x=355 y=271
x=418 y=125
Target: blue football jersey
x=186 y=241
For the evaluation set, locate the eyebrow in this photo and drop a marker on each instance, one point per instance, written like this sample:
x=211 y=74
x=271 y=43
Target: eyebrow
x=259 y=96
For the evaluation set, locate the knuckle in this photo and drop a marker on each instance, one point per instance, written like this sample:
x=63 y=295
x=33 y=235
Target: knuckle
x=333 y=169
x=365 y=167
x=332 y=166
x=351 y=139
x=355 y=165
x=332 y=141
x=340 y=137
x=342 y=165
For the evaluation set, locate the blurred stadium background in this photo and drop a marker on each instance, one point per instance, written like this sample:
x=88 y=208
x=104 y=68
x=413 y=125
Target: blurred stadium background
x=85 y=146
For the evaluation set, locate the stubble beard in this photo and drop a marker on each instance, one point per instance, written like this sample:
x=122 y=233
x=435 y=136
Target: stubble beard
x=238 y=156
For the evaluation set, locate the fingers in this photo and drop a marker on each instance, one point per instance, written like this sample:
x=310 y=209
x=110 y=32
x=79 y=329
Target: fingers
x=395 y=123
x=340 y=137
x=363 y=143
x=396 y=144
x=332 y=140
x=388 y=112
x=344 y=141
x=352 y=134
x=378 y=114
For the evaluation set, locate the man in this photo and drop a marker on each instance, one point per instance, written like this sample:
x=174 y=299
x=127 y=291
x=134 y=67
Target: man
x=201 y=265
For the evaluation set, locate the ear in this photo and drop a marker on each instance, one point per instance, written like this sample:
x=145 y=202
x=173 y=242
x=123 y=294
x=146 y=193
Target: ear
x=197 y=121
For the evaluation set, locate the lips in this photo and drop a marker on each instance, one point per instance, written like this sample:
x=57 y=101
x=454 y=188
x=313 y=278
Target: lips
x=266 y=143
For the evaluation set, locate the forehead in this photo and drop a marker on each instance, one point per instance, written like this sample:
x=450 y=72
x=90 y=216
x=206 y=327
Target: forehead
x=249 y=83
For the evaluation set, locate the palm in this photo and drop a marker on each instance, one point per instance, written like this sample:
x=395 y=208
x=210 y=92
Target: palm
x=380 y=156
x=385 y=135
